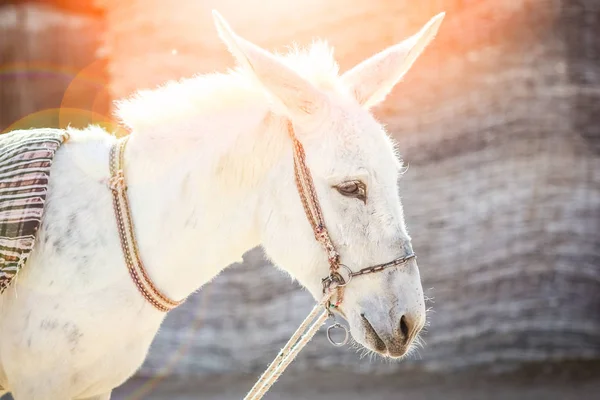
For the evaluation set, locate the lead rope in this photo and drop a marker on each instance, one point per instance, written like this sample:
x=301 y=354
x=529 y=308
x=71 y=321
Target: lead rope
x=331 y=285
x=290 y=350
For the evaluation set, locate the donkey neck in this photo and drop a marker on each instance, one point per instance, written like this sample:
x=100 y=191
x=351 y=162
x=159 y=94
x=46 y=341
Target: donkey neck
x=194 y=197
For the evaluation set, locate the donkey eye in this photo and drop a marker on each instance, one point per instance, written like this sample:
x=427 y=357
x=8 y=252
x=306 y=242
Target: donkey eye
x=353 y=189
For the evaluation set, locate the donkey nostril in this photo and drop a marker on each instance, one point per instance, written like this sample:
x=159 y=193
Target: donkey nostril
x=404 y=327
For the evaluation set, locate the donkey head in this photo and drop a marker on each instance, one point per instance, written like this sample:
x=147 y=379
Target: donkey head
x=355 y=169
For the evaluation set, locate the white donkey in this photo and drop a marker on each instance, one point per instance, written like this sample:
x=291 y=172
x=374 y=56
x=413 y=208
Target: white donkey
x=210 y=174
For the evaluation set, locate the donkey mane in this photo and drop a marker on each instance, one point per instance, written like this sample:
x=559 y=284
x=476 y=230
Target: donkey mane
x=206 y=94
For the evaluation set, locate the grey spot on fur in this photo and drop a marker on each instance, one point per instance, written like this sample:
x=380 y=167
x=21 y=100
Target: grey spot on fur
x=192 y=219
x=48 y=325
x=185 y=183
x=80 y=259
x=344 y=210
x=73 y=334
x=191 y=222
x=58 y=246
x=71 y=226
x=71 y=331
x=72 y=219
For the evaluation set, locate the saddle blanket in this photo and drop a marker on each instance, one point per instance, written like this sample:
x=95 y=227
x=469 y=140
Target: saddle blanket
x=25 y=160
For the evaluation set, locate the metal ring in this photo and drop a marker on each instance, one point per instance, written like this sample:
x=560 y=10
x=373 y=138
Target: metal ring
x=344 y=279
x=338 y=326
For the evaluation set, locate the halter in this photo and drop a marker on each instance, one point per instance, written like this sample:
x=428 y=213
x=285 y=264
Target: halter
x=312 y=208
x=333 y=284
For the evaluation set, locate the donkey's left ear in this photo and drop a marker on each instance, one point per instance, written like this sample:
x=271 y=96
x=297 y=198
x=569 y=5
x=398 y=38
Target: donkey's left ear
x=372 y=80
x=292 y=94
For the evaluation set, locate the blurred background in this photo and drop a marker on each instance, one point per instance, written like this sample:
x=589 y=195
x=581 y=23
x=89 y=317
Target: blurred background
x=499 y=121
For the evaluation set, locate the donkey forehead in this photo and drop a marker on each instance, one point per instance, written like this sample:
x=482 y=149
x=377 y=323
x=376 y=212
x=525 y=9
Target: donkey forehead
x=351 y=159
x=353 y=148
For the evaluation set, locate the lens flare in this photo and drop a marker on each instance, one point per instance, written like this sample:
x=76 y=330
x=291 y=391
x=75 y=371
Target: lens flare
x=195 y=324
x=85 y=96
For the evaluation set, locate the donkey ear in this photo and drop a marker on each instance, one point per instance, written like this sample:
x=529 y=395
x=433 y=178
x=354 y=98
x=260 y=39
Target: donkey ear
x=294 y=96
x=372 y=80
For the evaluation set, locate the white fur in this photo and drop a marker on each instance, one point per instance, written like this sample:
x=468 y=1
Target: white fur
x=210 y=175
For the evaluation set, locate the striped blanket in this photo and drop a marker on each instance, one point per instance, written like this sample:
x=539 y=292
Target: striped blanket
x=25 y=161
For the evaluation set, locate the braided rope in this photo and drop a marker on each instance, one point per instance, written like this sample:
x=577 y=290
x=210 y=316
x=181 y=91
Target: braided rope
x=289 y=352
x=129 y=245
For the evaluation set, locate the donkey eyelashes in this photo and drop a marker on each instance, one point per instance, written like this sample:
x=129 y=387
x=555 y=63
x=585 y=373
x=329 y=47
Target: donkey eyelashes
x=353 y=188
